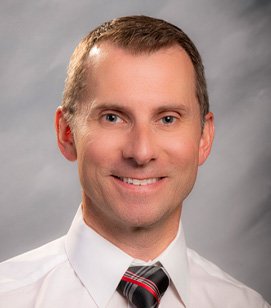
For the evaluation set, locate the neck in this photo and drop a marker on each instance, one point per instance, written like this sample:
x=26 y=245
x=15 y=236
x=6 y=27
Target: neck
x=146 y=243
x=141 y=242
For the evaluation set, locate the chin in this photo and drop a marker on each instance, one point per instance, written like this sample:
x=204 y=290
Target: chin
x=144 y=221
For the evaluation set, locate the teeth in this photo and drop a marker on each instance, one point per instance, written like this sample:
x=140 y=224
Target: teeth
x=139 y=182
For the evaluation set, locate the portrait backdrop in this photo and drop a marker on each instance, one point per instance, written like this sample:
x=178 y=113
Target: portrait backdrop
x=227 y=218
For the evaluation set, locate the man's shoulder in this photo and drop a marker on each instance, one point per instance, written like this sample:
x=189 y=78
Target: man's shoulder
x=208 y=279
x=29 y=267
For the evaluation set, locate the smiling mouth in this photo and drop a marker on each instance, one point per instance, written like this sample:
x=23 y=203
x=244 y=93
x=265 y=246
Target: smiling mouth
x=138 y=182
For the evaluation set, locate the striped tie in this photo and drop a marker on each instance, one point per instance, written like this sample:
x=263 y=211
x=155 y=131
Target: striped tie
x=144 y=286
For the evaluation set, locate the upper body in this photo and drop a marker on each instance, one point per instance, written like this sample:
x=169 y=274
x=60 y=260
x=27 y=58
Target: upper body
x=82 y=269
x=135 y=116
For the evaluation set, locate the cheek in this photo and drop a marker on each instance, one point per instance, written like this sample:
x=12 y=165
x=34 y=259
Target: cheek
x=185 y=166
x=91 y=161
x=184 y=152
x=95 y=153
x=91 y=157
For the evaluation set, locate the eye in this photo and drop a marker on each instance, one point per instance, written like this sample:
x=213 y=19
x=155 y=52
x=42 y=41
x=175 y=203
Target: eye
x=168 y=119
x=112 y=118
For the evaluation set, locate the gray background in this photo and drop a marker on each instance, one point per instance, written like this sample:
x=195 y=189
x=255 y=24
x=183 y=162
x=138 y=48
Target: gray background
x=227 y=217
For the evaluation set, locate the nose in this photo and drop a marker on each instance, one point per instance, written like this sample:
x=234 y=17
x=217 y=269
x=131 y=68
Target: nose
x=140 y=146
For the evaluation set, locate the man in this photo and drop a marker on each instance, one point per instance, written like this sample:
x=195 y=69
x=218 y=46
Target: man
x=135 y=115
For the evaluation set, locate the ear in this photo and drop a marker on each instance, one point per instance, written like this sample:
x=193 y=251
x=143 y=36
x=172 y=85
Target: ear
x=64 y=135
x=207 y=138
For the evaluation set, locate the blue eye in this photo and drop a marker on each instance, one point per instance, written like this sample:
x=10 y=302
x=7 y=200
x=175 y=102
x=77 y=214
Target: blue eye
x=113 y=118
x=168 y=119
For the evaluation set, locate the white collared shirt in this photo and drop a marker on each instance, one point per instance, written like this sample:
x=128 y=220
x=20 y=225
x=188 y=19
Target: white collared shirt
x=83 y=270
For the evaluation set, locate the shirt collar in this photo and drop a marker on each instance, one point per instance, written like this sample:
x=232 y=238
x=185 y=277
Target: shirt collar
x=92 y=257
x=174 y=260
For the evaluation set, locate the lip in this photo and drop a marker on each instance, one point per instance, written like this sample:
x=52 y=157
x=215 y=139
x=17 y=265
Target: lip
x=140 y=184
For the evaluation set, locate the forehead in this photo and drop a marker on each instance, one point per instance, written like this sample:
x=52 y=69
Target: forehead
x=106 y=51
x=116 y=73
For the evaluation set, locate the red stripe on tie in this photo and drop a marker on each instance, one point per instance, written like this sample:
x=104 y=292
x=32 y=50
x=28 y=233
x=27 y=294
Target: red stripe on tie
x=149 y=282
x=141 y=285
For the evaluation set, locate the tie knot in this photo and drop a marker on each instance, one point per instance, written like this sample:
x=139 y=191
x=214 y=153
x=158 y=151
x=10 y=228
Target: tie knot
x=144 y=286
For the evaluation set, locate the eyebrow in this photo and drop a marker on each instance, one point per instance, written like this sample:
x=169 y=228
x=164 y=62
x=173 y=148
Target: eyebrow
x=103 y=106
x=173 y=107
x=163 y=108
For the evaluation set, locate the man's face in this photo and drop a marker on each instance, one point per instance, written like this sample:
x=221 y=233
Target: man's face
x=139 y=142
